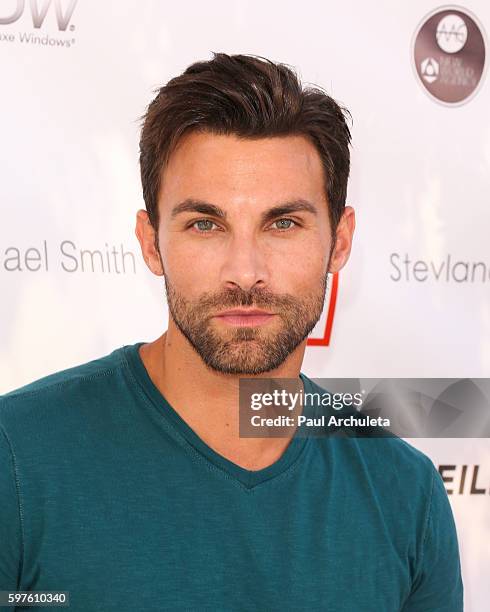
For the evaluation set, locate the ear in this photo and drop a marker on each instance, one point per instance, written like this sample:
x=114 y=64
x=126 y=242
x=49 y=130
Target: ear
x=147 y=238
x=343 y=240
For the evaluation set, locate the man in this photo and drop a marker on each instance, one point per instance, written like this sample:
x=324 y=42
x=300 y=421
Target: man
x=124 y=480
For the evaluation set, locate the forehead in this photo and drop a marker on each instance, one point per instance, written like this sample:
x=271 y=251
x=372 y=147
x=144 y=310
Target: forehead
x=226 y=169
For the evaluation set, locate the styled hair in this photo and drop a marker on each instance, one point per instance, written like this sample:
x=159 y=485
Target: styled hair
x=248 y=96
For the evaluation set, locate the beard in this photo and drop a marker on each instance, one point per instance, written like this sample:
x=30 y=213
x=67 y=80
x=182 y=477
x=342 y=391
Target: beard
x=246 y=350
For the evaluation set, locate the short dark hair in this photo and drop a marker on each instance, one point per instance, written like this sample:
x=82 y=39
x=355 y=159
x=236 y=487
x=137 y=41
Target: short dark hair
x=249 y=96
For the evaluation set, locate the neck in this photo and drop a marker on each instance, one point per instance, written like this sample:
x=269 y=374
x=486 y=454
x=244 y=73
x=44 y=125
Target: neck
x=208 y=400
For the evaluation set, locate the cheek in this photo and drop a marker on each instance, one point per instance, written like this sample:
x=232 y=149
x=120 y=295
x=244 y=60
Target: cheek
x=299 y=268
x=192 y=268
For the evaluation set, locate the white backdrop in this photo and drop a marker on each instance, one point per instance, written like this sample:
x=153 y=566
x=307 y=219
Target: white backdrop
x=72 y=90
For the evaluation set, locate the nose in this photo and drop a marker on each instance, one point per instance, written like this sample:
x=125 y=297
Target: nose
x=244 y=265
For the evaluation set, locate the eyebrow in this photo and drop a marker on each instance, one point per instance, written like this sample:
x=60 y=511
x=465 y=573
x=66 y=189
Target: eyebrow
x=206 y=208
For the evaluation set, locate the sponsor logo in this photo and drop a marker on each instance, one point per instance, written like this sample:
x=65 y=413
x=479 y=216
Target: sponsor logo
x=406 y=268
x=463 y=480
x=42 y=14
x=67 y=256
x=449 y=55
x=320 y=336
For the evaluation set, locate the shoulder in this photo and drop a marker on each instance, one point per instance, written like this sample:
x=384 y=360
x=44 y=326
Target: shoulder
x=387 y=458
x=33 y=403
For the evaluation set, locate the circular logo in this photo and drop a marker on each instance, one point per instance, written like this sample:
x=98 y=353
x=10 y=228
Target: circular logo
x=451 y=33
x=449 y=55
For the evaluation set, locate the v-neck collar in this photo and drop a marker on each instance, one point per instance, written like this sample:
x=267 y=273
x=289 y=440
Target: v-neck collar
x=248 y=478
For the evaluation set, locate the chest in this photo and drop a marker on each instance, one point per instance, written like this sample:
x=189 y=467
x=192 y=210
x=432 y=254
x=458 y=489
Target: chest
x=173 y=542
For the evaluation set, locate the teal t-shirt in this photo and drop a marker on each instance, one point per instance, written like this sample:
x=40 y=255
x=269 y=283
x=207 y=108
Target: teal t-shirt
x=107 y=493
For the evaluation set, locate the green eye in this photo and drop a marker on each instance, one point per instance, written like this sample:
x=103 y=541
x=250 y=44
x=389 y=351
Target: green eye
x=203 y=225
x=284 y=224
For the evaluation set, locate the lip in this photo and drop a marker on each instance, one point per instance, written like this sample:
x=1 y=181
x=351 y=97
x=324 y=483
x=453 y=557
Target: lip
x=243 y=312
x=245 y=317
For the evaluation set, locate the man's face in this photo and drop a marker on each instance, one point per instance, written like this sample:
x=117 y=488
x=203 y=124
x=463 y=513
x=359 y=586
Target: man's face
x=245 y=239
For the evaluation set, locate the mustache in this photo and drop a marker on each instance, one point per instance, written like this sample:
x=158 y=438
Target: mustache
x=259 y=298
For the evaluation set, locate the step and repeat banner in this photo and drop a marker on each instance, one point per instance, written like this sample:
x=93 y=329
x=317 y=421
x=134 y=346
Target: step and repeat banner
x=413 y=300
